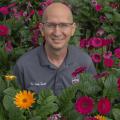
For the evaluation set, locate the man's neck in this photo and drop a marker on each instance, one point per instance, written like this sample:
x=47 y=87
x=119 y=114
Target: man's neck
x=56 y=57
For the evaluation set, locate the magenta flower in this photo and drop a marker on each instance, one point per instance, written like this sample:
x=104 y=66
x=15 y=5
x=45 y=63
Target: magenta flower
x=96 y=58
x=106 y=42
x=83 y=43
x=96 y=42
x=98 y=7
x=118 y=84
x=90 y=118
x=103 y=74
x=104 y=106
x=8 y=46
x=4 y=10
x=102 y=18
x=117 y=53
x=107 y=55
x=84 y=105
x=78 y=71
x=40 y=12
x=4 y=30
x=108 y=62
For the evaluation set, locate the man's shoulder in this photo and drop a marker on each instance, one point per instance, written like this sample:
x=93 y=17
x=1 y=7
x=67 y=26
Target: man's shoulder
x=28 y=56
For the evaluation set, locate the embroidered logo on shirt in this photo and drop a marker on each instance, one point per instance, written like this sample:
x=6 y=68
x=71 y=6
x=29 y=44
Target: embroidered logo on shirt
x=38 y=84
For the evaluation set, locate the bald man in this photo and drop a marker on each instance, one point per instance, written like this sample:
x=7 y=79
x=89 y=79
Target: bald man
x=51 y=64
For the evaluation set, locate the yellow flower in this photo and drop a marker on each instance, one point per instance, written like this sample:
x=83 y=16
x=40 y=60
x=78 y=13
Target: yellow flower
x=24 y=99
x=10 y=77
x=100 y=117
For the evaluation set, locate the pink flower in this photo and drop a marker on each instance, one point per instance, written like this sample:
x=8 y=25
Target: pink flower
x=8 y=46
x=98 y=7
x=117 y=53
x=100 y=32
x=96 y=58
x=108 y=62
x=78 y=71
x=102 y=18
x=40 y=12
x=104 y=106
x=31 y=13
x=84 y=105
x=83 y=43
x=107 y=55
x=106 y=42
x=4 y=30
x=96 y=42
x=118 y=84
x=4 y=10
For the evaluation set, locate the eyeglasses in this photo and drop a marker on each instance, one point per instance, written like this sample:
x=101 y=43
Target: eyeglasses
x=62 y=26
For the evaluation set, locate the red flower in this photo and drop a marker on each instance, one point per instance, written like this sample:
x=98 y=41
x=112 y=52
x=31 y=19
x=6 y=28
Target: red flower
x=83 y=43
x=96 y=58
x=104 y=106
x=98 y=7
x=40 y=12
x=118 y=83
x=96 y=42
x=4 y=30
x=117 y=53
x=78 y=70
x=84 y=105
x=4 y=10
x=108 y=62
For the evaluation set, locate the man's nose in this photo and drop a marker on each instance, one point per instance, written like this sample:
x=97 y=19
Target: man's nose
x=57 y=30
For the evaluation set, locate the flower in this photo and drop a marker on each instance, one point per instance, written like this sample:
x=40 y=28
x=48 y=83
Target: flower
x=107 y=55
x=40 y=12
x=78 y=70
x=84 y=105
x=8 y=46
x=83 y=43
x=98 y=7
x=96 y=42
x=24 y=99
x=10 y=77
x=118 y=84
x=104 y=106
x=108 y=62
x=117 y=53
x=4 y=30
x=96 y=58
x=4 y=10
x=100 y=117
x=103 y=74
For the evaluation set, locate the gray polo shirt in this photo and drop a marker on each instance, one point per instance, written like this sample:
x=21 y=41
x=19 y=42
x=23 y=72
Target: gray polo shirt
x=35 y=72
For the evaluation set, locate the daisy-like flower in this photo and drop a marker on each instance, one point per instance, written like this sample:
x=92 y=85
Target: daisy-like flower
x=96 y=58
x=108 y=62
x=4 y=30
x=10 y=77
x=104 y=106
x=84 y=105
x=24 y=99
x=100 y=117
x=98 y=7
x=117 y=53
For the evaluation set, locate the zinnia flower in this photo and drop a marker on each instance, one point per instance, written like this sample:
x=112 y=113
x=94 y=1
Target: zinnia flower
x=78 y=71
x=84 y=105
x=108 y=62
x=24 y=99
x=98 y=7
x=96 y=42
x=117 y=53
x=100 y=117
x=118 y=84
x=96 y=58
x=104 y=106
x=40 y=12
x=107 y=55
x=4 y=30
x=4 y=10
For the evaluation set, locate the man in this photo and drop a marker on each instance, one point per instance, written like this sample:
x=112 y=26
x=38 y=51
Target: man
x=51 y=65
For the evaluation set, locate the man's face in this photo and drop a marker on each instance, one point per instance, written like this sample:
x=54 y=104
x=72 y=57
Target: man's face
x=57 y=29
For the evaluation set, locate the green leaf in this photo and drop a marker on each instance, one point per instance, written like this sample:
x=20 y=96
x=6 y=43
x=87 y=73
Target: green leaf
x=36 y=118
x=116 y=113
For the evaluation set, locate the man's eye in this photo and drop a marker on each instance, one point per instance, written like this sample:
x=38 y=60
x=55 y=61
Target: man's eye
x=63 y=25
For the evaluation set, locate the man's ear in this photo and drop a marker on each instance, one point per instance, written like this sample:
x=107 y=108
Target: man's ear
x=73 y=29
x=41 y=29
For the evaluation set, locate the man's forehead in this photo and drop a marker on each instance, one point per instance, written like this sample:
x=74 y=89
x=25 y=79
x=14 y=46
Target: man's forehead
x=57 y=8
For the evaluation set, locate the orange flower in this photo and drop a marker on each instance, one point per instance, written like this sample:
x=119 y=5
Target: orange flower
x=24 y=99
x=99 y=117
x=10 y=77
